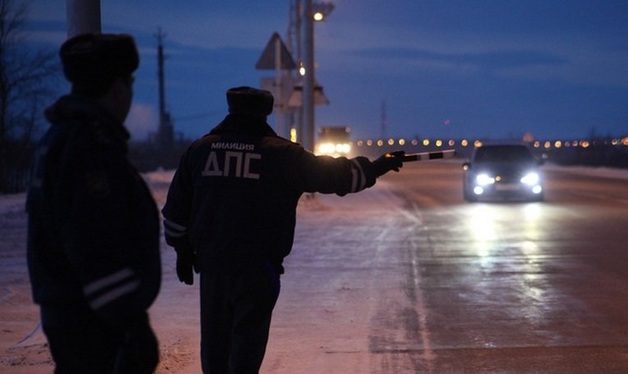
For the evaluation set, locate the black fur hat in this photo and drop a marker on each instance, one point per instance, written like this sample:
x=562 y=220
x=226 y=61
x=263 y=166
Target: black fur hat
x=96 y=59
x=249 y=101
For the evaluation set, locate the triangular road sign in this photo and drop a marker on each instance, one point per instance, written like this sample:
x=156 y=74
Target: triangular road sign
x=267 y=60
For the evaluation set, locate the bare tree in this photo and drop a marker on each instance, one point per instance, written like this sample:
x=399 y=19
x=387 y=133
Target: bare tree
x=27 y=76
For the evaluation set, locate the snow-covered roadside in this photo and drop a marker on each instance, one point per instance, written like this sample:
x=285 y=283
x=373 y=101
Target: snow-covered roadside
x=603 y=172
x=175 y=313
x=11 y=204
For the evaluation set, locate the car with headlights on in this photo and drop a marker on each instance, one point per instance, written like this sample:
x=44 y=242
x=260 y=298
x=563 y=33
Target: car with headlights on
x=505 y=171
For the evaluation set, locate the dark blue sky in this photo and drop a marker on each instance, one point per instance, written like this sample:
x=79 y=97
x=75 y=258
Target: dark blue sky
x=500 y=68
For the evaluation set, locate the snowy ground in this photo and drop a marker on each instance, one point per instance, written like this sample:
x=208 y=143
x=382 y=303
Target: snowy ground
x=175 y=314
x=603 y=172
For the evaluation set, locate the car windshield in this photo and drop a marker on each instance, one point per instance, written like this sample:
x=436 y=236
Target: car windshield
x=503 y=153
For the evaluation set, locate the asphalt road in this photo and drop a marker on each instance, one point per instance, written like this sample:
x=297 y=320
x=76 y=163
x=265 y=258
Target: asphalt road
x=411 y=279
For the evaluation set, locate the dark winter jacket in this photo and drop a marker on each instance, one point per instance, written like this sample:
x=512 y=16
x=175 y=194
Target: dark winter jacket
x=93 y=230
x=235 y=193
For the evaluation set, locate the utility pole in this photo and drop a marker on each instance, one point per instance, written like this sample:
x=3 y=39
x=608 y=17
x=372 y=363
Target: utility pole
x=308 y=78
x=160 y=74
x=165 y=135
x=302 y=19
x=295 y=30
x=83 y=16
x=384 y=120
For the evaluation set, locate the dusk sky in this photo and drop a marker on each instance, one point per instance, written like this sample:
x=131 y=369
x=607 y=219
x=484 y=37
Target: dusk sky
x=443 y=68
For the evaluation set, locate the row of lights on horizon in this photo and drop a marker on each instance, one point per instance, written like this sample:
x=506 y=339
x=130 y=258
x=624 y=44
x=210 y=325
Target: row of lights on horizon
x=547 y=144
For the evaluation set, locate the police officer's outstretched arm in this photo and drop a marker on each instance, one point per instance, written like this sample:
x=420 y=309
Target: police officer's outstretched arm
x=387 y=162
x=341 y=175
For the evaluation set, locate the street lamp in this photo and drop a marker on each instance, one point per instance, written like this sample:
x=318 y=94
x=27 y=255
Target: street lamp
x=320 y=10
x=311 y=12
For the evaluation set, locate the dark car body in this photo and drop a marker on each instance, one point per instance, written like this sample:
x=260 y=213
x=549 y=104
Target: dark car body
x=503 y=172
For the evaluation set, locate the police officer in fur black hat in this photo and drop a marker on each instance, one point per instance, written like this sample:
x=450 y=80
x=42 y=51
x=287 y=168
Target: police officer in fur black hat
x=230 y=215
x=93 y=226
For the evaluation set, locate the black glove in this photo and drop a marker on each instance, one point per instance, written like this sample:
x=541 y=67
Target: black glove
x=185 y=264
x=387 y=162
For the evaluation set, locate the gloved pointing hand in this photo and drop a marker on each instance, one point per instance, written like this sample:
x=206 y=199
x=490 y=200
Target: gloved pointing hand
x=387 y=162
x=185 y=264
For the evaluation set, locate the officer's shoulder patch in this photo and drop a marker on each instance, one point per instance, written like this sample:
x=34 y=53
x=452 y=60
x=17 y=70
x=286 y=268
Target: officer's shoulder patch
x=97 y=184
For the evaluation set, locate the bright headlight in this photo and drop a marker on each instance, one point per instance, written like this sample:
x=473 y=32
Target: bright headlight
x=326 y=148
x=531 y=179
x=484 y=179
x=343 y=148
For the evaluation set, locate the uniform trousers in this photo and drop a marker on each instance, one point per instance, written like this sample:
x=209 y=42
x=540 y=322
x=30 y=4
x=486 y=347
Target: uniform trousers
x=81 y=342
x=237 y=300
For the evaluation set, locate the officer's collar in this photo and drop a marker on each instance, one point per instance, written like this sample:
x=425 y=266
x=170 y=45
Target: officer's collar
x=251 y=125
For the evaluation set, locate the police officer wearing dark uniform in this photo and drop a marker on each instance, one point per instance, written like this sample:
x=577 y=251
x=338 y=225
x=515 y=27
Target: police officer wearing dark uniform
x=231 y=212
x=93 y=227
